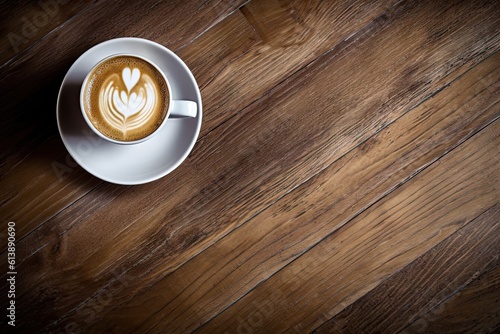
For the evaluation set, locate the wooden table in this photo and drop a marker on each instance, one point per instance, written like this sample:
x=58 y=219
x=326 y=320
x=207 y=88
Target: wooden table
x=346 y=177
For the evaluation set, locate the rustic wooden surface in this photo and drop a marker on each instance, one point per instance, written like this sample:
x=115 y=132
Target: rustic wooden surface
x=346 y=177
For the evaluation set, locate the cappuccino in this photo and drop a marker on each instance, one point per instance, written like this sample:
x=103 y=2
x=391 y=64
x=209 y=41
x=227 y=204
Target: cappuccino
x=126 y=98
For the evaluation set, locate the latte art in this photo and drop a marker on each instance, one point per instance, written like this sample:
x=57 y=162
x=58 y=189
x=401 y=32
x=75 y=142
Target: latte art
x=127 y=98
x=130 y=109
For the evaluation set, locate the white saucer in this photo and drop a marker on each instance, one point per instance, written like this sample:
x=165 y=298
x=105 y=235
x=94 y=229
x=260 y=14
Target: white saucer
x=129 y=164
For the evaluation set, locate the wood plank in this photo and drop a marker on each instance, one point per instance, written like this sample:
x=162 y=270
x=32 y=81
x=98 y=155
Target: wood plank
x=25 y=23
x=258 y=247
x=380 y=241
x=32 y=200
x=443 y=123
x=215 y=43
x=334 y=24
x=218 y=48
x=319 y=103
x=294 y=34
x=475 y=309
x=426 y=284
x=235 y=91
x=224 y=44
x=27 y=117
x=191 y=196
x=60 y=181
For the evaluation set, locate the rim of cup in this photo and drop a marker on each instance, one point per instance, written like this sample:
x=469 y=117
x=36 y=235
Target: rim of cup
x=89 y=122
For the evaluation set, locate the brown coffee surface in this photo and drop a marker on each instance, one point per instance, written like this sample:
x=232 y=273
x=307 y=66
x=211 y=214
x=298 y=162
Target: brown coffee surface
x=126 y=98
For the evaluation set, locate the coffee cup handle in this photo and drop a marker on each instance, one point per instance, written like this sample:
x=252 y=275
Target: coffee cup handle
x=183 y=109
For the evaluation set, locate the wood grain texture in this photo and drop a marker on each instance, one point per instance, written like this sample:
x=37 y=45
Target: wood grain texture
x=474 y=309
x=60 y=181
x=342 y=143
x=294 y=34
x=195 y=287
x=212 y=52
x=45 y=63
x=24 y=23
x=349 y=263
x=316 y=145
x=426 y=285
x=374 y=103
x=214 y=60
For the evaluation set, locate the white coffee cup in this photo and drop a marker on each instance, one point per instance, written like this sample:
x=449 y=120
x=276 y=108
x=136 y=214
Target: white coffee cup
x=176 y=108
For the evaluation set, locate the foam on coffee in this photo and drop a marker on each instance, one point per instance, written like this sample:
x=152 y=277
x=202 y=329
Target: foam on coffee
x=126 y=98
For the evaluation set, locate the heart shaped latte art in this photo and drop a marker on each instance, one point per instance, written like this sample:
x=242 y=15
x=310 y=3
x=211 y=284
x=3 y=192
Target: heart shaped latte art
x=131 y=108
x=130 y=78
